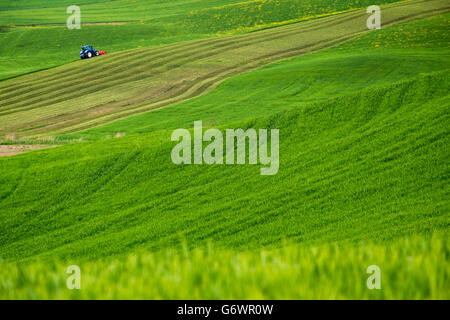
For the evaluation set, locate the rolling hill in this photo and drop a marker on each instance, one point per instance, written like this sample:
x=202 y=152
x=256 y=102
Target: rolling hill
x=383 y=57
x=89 y=93
x=34 y=32
x=363 y=119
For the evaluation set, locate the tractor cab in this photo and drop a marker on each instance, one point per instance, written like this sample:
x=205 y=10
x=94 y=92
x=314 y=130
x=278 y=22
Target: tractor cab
x=88 y=52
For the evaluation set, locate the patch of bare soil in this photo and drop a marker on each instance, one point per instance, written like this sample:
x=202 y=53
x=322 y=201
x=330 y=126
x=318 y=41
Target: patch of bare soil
x=11 y=150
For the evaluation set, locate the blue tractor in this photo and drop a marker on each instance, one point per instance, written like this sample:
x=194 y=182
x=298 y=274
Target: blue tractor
x=88 y=52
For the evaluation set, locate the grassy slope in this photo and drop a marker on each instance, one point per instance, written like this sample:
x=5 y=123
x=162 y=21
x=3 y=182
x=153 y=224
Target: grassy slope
x=368 y=165
x=69 y=98
x=397 y=53
x=365 y=165
x=26 y=49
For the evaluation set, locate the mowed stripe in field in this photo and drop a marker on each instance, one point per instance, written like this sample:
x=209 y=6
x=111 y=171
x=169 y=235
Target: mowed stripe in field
x=92 y=92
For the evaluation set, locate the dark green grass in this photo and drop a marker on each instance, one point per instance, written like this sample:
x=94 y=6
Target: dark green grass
x=33 y=4
x=397 y=53
x=27 y=49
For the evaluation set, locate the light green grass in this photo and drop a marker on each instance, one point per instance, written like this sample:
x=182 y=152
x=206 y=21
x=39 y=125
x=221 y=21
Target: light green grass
x=363 y=180
x=27 y=49
x=371 y=165
x=416 y=268
x=366 y=164
x=72 y=97
x=392 y=54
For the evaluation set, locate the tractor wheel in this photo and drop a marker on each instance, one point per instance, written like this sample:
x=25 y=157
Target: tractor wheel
x=89 y=54
x=96 y=53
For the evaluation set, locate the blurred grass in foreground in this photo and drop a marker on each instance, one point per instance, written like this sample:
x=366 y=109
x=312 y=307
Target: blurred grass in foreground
x=416 y=268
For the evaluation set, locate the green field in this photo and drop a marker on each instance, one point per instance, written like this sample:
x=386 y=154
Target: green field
x=374 y=60
x=412 y=269
x=363 y=179
x=66 y=99
x=339 y=180
x=38 y=27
